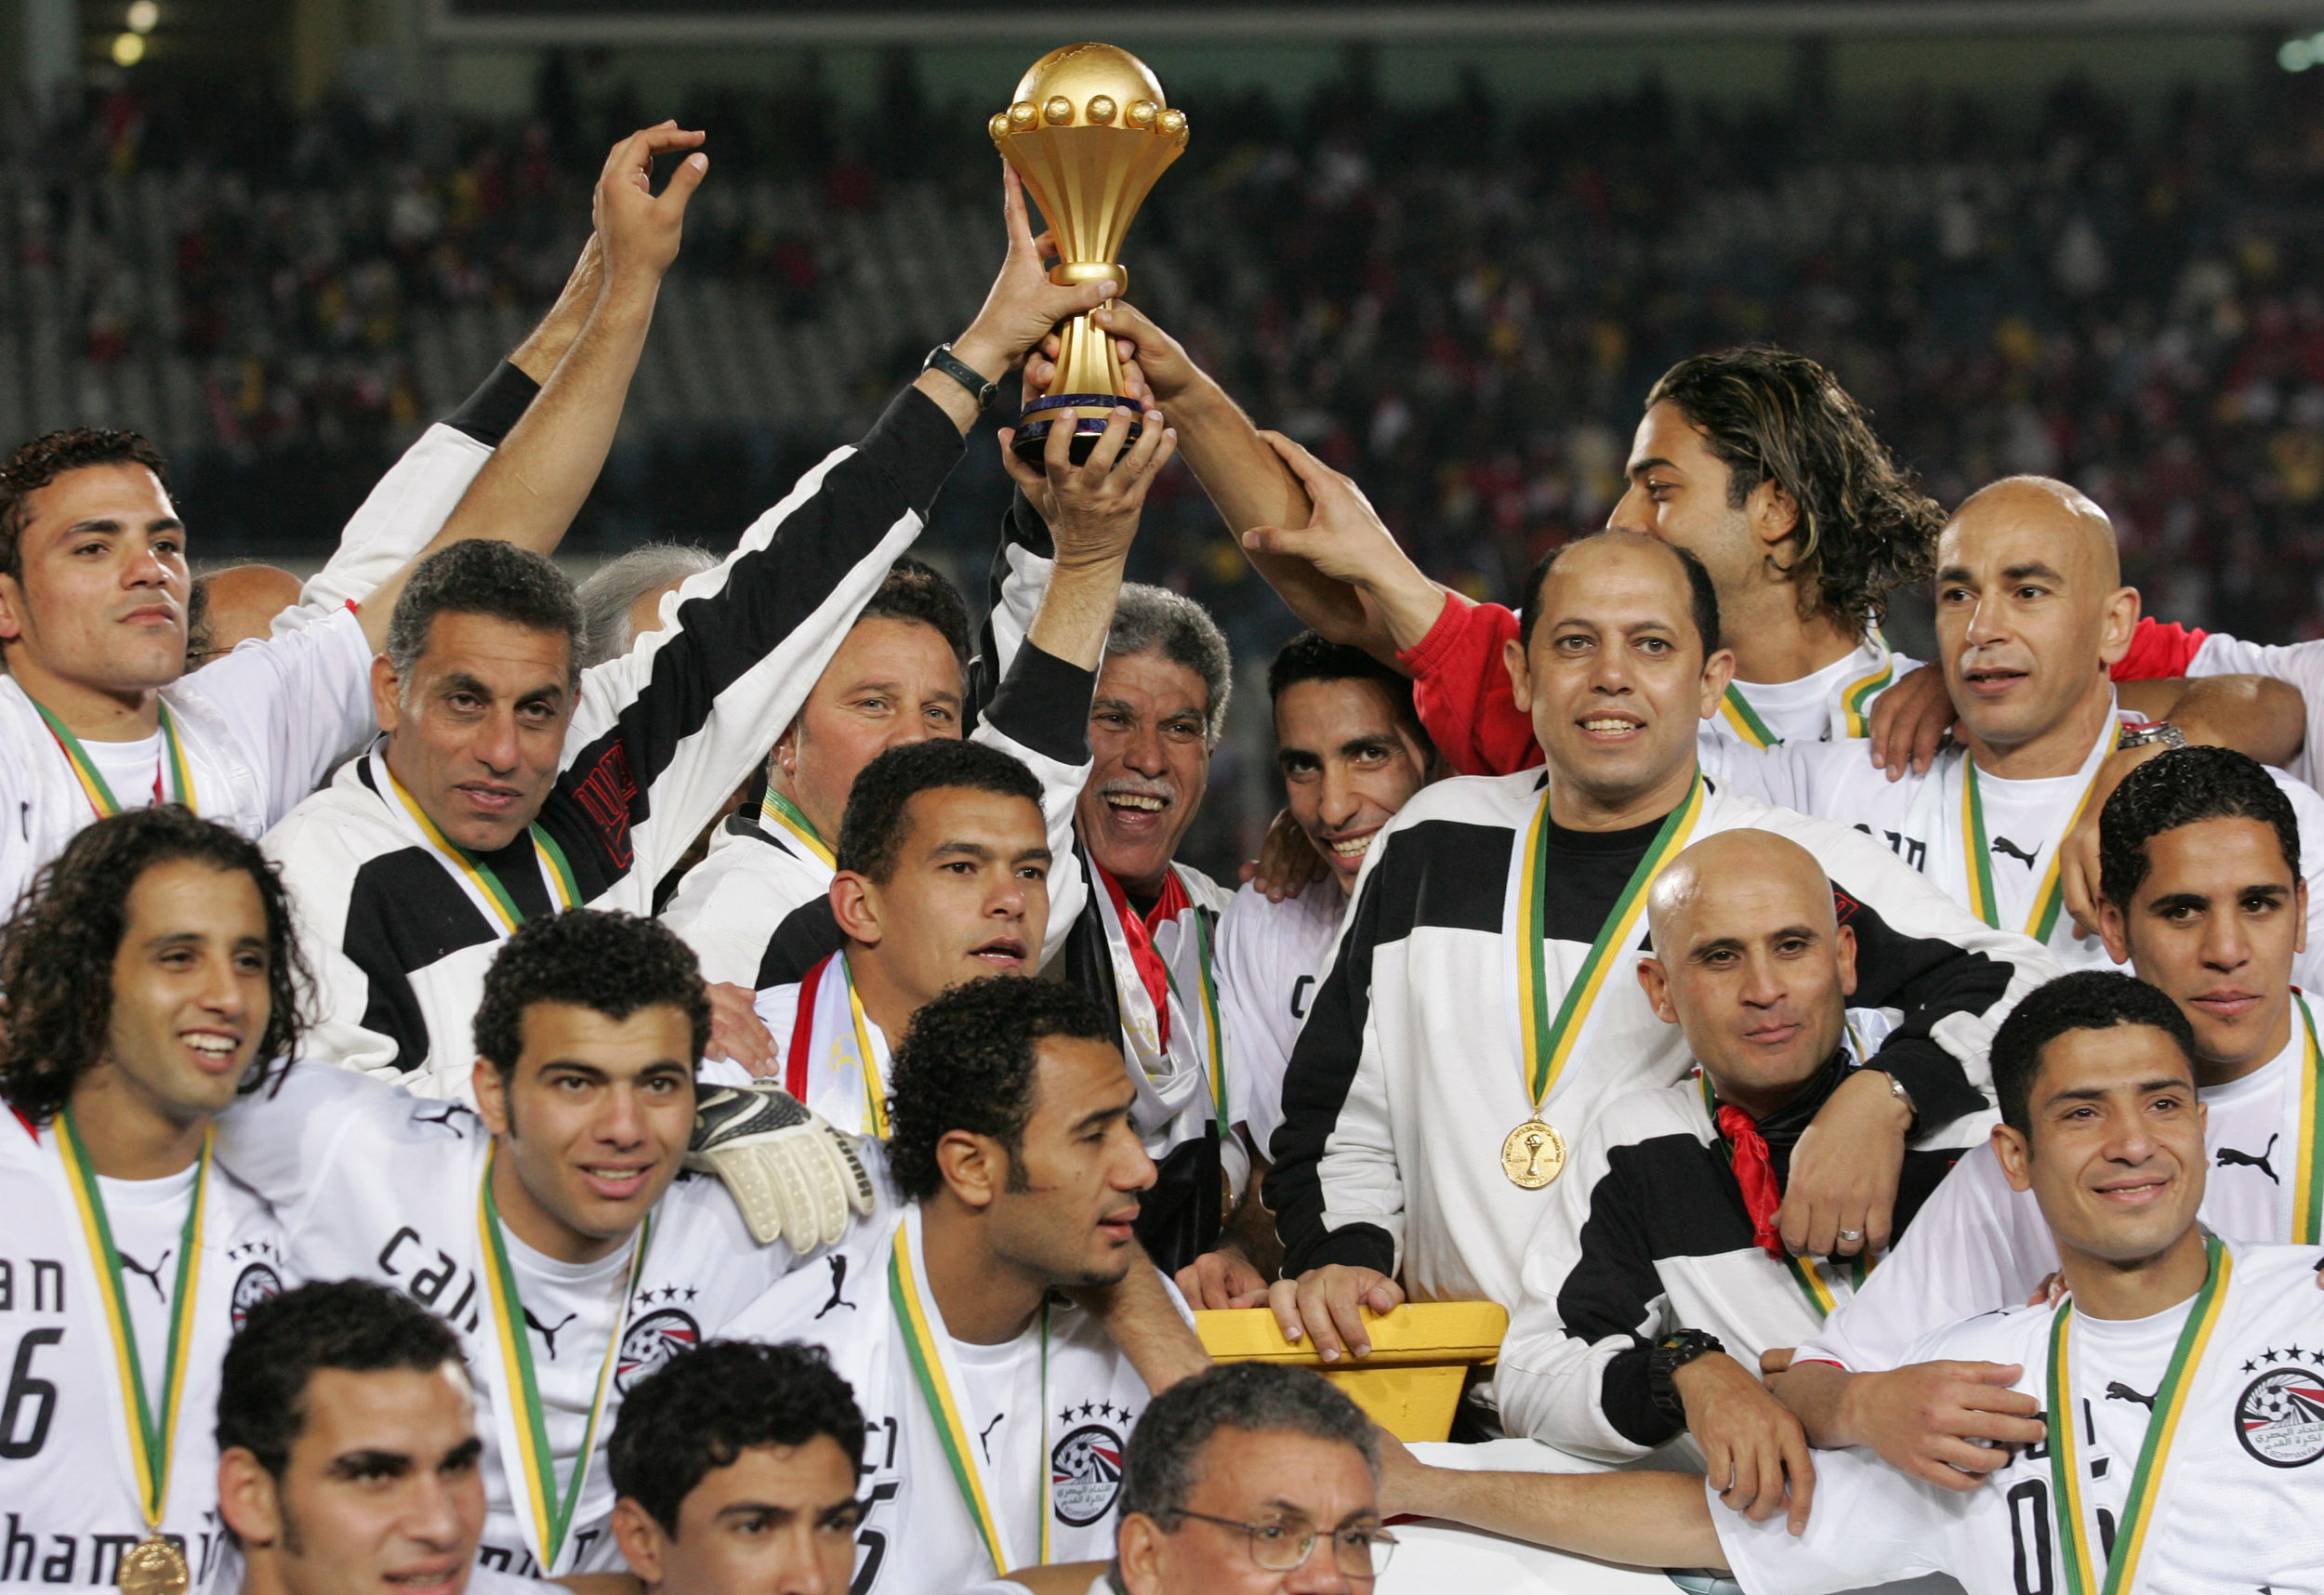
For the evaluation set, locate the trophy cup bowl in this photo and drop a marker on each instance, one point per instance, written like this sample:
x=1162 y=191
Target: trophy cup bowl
x=1088 y=133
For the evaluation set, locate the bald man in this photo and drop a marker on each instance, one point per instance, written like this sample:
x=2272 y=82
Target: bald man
x=2030 y=613
x=234 y=605
x=1651 y=1294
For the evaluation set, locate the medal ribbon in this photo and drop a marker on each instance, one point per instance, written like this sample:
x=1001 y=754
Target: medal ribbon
x=1806 y=1273
x=923 y=1339
x=780 y=812
x=804 y=1052
x=2308 y=1182
x=551 y=1516
x=151 y=1431
x=1855 y=718
x=2049 y=896
x=2065 y=1470
x=481 y=881
x=92 y=780
x=1737 y=710
x=1208 y=990
x=1549 y=1042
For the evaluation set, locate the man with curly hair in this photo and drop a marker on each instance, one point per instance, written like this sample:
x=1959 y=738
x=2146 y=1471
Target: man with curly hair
x=735 y=1466
x=151 y=973
x=1002 y=1413
x=553 y=1226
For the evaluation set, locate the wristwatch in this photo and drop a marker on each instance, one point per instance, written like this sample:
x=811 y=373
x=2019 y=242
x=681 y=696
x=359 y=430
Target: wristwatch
x=2147 y=735
x=942 y=359
x=1665 y=1357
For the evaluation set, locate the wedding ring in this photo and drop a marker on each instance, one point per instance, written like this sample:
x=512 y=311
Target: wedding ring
x=1852 y=1234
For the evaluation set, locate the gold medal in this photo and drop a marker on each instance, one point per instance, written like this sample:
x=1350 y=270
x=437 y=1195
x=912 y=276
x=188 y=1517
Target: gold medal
x=153 y=1567
x=1533 y=1155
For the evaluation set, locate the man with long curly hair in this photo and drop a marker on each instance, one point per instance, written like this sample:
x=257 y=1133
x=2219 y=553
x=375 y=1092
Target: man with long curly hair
x=149 y=974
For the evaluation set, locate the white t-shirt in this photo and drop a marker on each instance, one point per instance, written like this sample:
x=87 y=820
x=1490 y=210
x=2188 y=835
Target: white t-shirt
x=1271 y=957
x=2242 y=1500
x=1829 y=704
x=1976 y=1245
x=1921 y=819
x=69 y=1501
x=570 y=1310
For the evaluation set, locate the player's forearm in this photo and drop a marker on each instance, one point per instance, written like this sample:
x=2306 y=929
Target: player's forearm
x=1250 y=1229
x=1816 y=1393
x=546 y=344
x=1059 y=1577
x=1077 y=610
x=2254 y=715
x=1144 y=1322
x=1249 y=485
x=1641 y=1520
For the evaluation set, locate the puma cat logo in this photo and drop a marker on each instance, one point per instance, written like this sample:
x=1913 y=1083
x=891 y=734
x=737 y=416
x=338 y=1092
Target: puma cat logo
x=443 y=1117
x=2230 y=1158
x=2003 y=845
x=986 y=1439
x=2118 y=1390
x=839 y=1281
x=152 y=1276
x=548 y=1332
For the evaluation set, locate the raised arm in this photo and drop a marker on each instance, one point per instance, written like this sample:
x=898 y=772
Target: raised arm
x=535 y=483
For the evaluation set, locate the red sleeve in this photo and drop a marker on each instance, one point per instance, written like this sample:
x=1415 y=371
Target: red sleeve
x=2159 y=653
x=1461 y=690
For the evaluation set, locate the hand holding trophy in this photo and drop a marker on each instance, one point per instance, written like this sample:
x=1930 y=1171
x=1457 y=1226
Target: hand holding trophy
x=1087 y=134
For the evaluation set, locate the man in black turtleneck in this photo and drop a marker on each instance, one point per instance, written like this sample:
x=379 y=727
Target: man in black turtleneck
x=1645 y=1311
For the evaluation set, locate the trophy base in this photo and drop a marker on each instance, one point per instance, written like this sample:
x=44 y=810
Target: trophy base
x=1086 y=413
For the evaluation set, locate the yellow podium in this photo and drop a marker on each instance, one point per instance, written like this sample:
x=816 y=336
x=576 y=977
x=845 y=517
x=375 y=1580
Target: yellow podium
x=1422 y=1354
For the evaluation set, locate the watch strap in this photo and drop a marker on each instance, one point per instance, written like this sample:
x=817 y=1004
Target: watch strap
x=942 y=359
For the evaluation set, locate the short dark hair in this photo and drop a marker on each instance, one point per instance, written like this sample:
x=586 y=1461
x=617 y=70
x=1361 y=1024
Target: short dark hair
x=2185 y=787
x=479 y=576
x=1772 y=415
x=57 y=952
x=702 y=1409
x=871 y=829
x=1702 y=597
x=1312 y=657
x=916 y=590
x=611 y=963
x=45 y=459
x=968 y=1062
x=2087 y=999
x=1158 y=1472
x=350 y=1325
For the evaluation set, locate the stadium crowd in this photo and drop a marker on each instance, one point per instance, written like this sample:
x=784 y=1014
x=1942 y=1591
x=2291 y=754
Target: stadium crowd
x=723 y=1079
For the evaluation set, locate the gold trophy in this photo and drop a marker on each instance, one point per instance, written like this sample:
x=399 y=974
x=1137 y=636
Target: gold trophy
x=1088 y=135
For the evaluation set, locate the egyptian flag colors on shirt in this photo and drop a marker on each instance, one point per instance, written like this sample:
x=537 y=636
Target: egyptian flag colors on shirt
x=1413 y=1066
x=370 y=1181
x=1976 y=1245
x=1990 y=845
x=2184 y=1451
x=74 y=1465
x=975 y=1454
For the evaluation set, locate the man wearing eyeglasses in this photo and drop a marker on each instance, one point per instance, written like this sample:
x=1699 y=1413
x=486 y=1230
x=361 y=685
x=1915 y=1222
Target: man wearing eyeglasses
x=1249 y=1479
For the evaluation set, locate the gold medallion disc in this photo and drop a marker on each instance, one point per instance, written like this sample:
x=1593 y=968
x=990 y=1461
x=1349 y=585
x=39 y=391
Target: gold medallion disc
x=153 y=1567
x=1533 y=1155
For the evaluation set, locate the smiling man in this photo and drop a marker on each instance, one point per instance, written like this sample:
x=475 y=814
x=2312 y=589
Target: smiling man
x=1473 y=1022
x=2206 y=902
x=1662 y=1277
x=999 y=1414
x=149 y=972
x=736 y=1466
x=944 y=878
x=551 y=1228
x=2030 y=613
x=511 y=784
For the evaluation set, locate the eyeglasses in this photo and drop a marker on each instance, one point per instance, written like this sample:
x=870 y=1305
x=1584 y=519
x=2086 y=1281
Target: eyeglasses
x=1279 y=1548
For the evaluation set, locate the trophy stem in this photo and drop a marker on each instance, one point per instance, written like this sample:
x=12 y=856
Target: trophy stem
x=1088 y=387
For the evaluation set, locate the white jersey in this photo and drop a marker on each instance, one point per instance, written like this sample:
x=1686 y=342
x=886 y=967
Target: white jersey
x=262 y=727
x=1925 y=821
x=1976 y=1245
x=1830 y=704
x=371 y=1183
x=69 y=1493
x=1038 y=1430
x=2239 y=1505
x=824 y=1061
x=1270 y=958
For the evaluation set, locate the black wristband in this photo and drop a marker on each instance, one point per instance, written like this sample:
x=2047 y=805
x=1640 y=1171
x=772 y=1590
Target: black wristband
x=942 y=359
